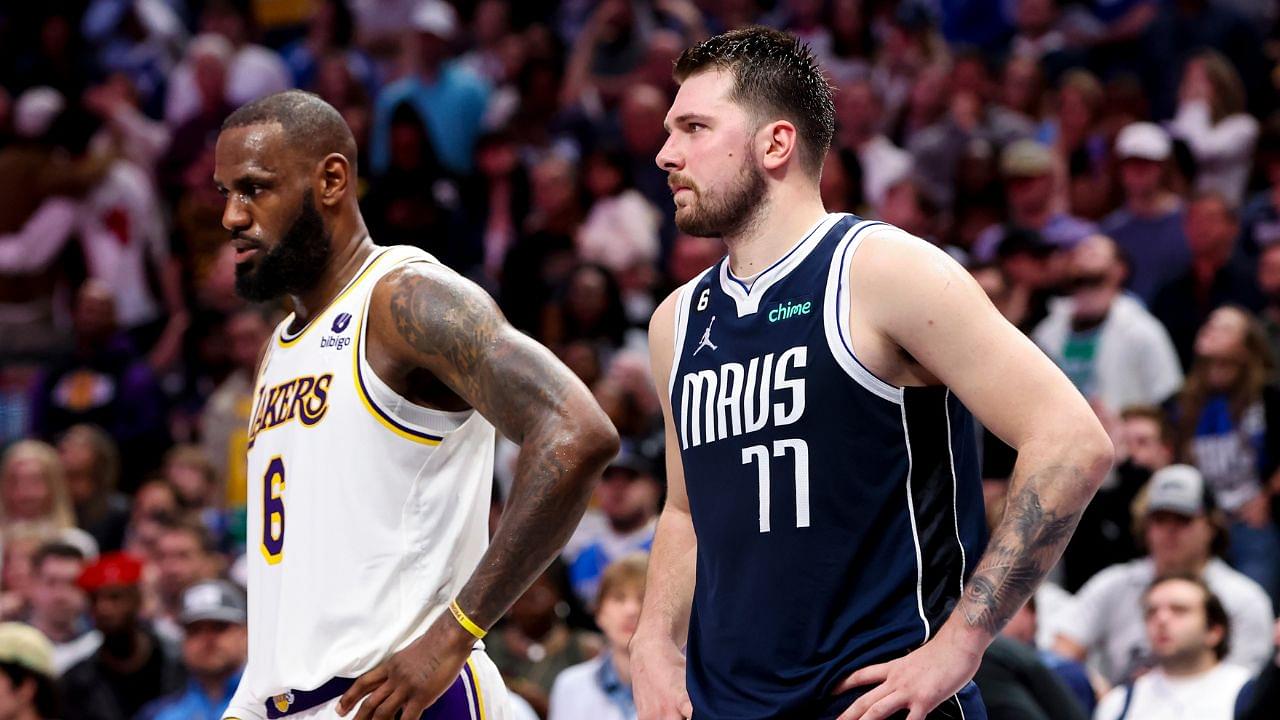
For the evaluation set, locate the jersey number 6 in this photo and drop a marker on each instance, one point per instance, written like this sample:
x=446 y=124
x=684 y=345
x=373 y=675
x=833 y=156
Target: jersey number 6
x=760 y=455
x=273 y=511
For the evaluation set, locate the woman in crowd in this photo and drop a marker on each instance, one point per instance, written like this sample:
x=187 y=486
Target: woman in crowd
x=1228 y=421
x=1212 y=120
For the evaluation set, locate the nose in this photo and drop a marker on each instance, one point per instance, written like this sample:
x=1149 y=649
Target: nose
x=234 y=215
x=668 y=158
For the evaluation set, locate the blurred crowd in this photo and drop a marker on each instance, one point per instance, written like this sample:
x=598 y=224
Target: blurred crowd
x=1109 y=170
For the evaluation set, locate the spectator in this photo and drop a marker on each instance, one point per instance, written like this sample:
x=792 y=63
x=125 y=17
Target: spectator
x=215 y=647
x=860 y=116
x=132 y=666
x=59 y=604
x=1212 y=280
x=41 y=184
x=1264 y=697
x=1072 y=676
x=1028 y=170
x=841 y=182
x=449 y=99
x=1212 y=120
x=1080 y=148
x=590 y=308
x=1031 y=269
x=33 y=487
x=331 y=31
x=1228 y=417
x=1105 y=534
x=1017 y=684
x=414 y=201
x=191 y=473
x=621 y=228
x=1190 y=633
x=127 y=131
x=1269 y=283
x=1113 y=350
x=92 y=465
x=641 y=112
x=908 y=206
x=600 y=689
x=1148 y=227
x=252 y=71
x=1260 y=218
x=225 y=420
x=534 y=643
x=27 y=674
x=208 y=57
x=155 y=505
x=139 y=40
x=104 y=383
x=622 y=522
x=1183 y=533
x=184 y=555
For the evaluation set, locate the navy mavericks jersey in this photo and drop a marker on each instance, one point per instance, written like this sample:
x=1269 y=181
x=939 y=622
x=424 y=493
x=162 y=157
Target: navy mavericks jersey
x=837 y=516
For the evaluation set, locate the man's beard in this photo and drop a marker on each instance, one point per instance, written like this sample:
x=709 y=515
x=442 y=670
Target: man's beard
x=294 y=265
x=725 y=212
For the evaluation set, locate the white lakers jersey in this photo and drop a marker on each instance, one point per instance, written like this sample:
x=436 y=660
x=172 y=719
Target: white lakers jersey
x=367 y=513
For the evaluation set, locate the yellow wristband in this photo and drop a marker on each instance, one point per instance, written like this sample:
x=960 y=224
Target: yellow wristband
x=466 y=622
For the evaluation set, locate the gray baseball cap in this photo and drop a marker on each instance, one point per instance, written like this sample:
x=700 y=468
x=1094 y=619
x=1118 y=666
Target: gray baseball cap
x=214 y=600
x=1178 y=489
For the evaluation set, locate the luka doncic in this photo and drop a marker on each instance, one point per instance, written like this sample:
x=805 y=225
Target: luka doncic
x=825 y=511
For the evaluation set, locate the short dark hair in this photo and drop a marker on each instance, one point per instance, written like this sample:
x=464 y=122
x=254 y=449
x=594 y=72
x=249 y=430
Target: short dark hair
x=55 y=549
x=194 y=528
x=1155 y=415
x=775 y=75
x=1215 y=613
x=309 y=122
x=46 y=698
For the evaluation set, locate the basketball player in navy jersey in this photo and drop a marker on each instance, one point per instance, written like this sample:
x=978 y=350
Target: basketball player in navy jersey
x=820 y=554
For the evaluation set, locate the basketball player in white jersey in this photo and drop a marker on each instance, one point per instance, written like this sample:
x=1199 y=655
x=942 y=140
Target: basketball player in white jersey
x=371 y=445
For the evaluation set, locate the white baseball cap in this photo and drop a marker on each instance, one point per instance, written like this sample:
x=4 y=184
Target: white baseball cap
x=1179 y=489
x=1145 y=141
x=436 y=17
x=35 y=111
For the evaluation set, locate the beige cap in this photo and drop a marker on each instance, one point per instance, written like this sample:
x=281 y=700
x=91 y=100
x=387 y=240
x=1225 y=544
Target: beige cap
x=1026 y=158
x=26 y=646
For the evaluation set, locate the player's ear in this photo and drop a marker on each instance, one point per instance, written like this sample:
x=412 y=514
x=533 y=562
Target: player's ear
x=335 y=179
x=779 y=140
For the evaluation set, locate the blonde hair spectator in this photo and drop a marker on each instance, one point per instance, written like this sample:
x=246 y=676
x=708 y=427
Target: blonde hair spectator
x=33 y=486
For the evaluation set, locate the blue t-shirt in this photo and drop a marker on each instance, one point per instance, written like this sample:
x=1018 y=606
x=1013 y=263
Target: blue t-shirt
x=1156 y=249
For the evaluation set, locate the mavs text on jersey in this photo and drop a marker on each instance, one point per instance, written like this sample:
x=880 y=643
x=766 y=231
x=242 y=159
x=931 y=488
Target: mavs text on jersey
x=834 y=513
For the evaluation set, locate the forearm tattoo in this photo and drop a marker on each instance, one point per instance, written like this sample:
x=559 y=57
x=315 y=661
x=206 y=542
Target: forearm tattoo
x=1022 y=549
x=531 y=398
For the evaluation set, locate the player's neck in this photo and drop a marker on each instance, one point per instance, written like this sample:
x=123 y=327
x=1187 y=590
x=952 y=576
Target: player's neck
x=346 y=261
x=779 y=225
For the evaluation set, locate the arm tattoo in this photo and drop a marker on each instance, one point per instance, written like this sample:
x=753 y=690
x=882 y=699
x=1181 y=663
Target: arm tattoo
x=1022 y=550
x=457 y=333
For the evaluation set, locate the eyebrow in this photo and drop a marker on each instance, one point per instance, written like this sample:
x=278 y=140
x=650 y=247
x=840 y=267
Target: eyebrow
x=686 y=118
x=260 y=176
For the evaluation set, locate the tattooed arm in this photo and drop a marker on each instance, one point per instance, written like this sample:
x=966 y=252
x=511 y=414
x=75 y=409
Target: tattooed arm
x=427 y=317
x=922 y=319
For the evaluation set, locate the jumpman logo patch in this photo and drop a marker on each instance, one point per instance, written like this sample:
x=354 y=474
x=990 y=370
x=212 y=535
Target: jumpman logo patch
x=705 y=342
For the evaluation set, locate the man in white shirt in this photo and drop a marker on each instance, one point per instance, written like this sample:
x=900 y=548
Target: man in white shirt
x=1181 y=529
x=859 y=111
x=1115 y=352
x=600 y=689
x=1189 y=634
